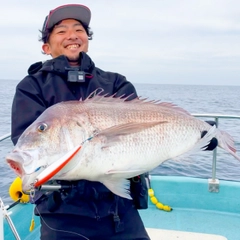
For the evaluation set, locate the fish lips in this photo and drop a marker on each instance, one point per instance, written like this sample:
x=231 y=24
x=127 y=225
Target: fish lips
x=16 y=163
x=27 y=179
x=22 y=162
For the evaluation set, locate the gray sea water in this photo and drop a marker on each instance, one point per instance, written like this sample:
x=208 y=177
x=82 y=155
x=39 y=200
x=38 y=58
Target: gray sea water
x=193 y=98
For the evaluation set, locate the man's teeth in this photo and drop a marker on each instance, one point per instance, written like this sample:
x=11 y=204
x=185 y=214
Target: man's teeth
x=72 y=46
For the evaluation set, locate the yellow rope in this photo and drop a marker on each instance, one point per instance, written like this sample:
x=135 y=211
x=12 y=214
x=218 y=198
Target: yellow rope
x=32 y=225
x=158 y=204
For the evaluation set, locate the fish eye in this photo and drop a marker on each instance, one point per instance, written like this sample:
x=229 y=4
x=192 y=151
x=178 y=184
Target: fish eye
x=42 y=127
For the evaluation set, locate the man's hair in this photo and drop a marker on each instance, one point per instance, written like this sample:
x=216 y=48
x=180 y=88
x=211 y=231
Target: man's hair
x=46 y=34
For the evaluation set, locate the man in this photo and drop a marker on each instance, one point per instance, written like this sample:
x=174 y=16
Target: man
x=86 y=210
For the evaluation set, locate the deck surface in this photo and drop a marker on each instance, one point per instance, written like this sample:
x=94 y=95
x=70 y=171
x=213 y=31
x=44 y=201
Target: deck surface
x=190 y=220
x=156 y=234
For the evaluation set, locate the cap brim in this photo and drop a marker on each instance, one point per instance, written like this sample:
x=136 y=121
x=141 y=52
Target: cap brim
x=73 y=11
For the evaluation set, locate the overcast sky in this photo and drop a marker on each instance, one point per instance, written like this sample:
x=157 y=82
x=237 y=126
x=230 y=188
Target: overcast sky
x=151 y=41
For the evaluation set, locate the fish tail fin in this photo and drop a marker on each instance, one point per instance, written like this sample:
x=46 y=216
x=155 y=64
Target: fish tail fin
x=226 y=142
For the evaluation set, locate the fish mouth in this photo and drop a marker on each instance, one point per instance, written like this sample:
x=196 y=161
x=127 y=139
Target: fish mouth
x=19 y=170
x=22 y=162
x=16 y=166
x=15 y=160
x=27 y=178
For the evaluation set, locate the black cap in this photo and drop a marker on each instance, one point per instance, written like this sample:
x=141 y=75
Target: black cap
x=74 y=11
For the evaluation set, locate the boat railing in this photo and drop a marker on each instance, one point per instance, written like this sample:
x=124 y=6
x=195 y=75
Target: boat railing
x=213 y=182
x=6 y=136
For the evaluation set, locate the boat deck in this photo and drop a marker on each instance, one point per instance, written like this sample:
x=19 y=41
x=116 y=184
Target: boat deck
x=195 y=209
x=160 y=234
x=192 y=221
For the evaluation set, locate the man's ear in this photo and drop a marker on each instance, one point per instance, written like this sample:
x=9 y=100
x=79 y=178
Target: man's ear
x=46 y=48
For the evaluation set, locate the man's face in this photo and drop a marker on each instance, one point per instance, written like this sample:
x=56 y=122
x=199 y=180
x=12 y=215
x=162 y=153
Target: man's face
x=68 y=38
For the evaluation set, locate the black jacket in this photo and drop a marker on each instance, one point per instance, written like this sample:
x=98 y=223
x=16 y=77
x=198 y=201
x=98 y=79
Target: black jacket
x=48 y=84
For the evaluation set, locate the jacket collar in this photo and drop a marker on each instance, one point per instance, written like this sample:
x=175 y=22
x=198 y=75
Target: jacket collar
x=60 y=65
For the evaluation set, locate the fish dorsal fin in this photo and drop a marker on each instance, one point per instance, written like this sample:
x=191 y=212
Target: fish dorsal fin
x=98 y=96
x=172 y=105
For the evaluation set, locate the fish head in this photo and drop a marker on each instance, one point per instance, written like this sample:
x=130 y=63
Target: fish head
x=46 y=140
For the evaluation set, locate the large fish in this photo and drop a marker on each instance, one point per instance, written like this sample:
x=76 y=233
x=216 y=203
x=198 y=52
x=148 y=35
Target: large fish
x=119 y=139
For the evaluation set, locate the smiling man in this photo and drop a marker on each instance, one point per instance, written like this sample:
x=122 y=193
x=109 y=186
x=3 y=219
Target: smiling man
x=84 y=209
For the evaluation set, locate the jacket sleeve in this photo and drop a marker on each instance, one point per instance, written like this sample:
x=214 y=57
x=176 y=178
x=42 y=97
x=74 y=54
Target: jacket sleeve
x=124 y=88
x=27 y=105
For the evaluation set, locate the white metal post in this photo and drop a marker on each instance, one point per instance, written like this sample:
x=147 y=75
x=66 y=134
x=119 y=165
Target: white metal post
x=1 y=221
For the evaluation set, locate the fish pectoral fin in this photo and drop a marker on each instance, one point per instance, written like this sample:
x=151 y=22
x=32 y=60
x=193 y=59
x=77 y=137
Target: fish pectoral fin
x=120 y=187
x=127 y=128
x=116 y=180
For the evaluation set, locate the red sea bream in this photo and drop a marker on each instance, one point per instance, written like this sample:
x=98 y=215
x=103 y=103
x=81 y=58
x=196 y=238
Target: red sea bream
x=119 y=139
